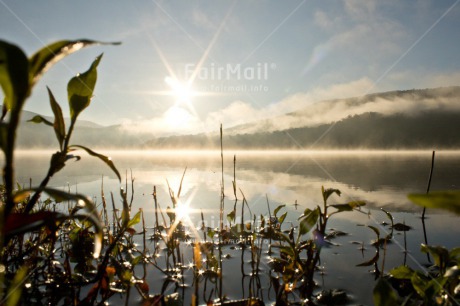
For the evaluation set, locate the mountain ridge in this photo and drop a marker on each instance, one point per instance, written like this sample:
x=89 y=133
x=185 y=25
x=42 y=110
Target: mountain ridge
x=319 y=112
x=412 y=111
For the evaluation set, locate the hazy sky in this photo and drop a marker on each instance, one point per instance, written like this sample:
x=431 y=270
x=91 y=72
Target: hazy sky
x=252 y=56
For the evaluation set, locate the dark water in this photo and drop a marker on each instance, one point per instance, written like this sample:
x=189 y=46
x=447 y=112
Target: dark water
x=382 y=179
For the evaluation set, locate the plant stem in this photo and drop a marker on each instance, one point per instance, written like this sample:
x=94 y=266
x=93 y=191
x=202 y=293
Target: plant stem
x=429 y=183
x=8 y=171
x=424 y=208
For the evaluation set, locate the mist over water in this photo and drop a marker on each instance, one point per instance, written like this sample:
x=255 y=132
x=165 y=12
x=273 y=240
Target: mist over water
x=381 y=178
x=370 y=175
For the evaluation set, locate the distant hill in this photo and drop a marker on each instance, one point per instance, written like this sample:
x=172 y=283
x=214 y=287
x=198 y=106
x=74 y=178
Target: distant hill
x=424 y=118
x=386 y=103
x=439 y=129
x=419 y=118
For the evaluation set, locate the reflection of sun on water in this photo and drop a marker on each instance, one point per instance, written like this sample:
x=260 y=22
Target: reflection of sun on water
x=183 y=214
x=183 y=210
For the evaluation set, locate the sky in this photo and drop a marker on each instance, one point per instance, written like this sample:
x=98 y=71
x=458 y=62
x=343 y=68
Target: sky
x=189 y=66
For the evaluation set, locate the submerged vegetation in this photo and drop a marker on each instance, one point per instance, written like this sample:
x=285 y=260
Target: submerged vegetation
x=65 y=249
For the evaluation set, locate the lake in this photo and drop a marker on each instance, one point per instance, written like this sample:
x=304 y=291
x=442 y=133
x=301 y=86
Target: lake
x=382 y=179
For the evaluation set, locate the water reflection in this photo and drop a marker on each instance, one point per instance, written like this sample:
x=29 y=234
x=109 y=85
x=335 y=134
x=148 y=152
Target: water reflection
x=382 y=179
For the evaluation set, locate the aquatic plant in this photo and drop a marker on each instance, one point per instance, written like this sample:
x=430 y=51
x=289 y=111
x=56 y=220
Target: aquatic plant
x=293 y=272
x=29 y=228
x=439 y=284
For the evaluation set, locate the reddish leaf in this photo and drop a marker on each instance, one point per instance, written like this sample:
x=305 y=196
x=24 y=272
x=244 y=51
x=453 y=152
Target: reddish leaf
x=131 y=231
x=18 y=223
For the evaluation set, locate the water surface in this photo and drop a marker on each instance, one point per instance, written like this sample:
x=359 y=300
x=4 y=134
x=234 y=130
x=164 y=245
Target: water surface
x=382 y=179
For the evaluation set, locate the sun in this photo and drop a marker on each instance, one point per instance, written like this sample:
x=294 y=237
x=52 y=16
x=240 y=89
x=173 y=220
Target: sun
x=182 y=92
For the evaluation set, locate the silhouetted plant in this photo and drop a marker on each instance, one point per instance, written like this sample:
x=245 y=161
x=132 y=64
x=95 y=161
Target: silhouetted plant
x=297 y=273
x=437 y=285
x=29 y=228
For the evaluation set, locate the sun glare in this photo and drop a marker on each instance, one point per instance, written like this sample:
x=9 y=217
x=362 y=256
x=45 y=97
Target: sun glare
x=177 y=117
x=181 y=91
x=183 y=211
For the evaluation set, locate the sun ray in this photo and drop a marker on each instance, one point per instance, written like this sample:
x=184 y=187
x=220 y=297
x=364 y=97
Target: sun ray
x=210 y=46
x=162 y=56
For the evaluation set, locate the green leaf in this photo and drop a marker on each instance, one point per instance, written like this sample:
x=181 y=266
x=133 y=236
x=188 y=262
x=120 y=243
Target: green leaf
x=80 y=89
x=135 y=220
x=104 y=158
x=126 y=276
x=210 y=233
x=278 y=209
x=282 y=217
x=434 y=286
x=125 y=212
x=383 y=294
x=308 y=220
x=40 y=119
x=136 y=260
x=59 y=125
x=171 y=214
x=15 y=289
x=402 y=272
x=231 y=216
x=14 y=75
x=447 y=200
x=46 y=57
x=440 y=254
x=348 y=206
x=427 y=288
x=419 y=284
x=328 y=192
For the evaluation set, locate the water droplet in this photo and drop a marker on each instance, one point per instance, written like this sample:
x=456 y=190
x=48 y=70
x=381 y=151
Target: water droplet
x=127 y=264
x=81 y=203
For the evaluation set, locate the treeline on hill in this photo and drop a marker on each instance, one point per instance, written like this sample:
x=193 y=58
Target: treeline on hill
x=438 y=129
